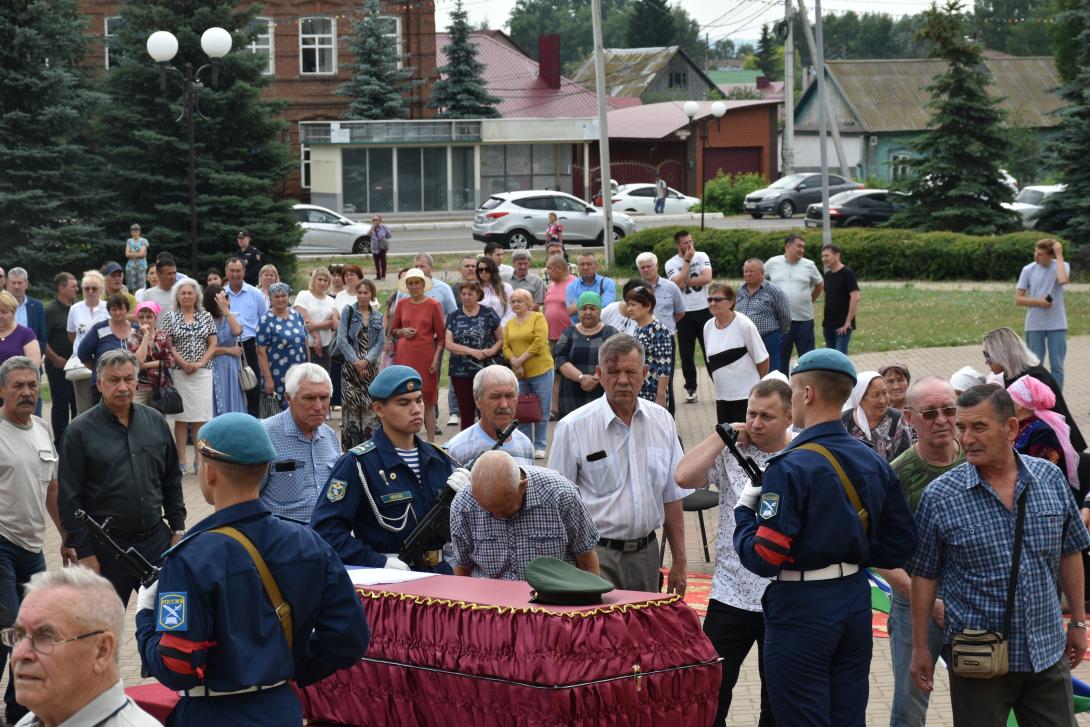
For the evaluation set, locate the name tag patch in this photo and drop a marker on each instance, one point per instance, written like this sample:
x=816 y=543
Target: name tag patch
x=770 y=505
x=336 y=490
x=173 y=612
x=396 y=497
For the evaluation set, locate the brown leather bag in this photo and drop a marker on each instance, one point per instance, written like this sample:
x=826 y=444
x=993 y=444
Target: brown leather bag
x=528 y=410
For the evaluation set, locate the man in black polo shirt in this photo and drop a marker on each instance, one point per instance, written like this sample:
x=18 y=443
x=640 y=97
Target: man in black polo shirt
x=841 y=300
x=58 y=349
x=118 y=460
x=251 y=257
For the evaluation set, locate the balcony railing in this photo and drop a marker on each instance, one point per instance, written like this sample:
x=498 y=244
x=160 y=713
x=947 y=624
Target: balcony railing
x=388 y=132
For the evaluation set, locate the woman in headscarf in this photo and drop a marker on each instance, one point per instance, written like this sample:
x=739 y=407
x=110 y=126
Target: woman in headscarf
x=897 y=380
x=1042 y=432
x=869 y=418
x=281 y=340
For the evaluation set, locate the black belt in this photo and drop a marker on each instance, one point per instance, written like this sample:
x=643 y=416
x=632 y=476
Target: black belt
x=138 y=535
x=627 y=546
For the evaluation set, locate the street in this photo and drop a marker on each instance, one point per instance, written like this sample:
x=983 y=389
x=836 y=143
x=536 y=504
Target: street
x=453 y=236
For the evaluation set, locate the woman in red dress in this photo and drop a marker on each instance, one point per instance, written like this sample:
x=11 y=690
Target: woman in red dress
x=419 y=329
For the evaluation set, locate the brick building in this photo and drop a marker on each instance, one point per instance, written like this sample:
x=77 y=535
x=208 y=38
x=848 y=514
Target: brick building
x=308 y=48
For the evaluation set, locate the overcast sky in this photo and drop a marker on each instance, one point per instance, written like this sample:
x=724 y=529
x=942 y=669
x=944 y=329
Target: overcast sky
x=739 y=19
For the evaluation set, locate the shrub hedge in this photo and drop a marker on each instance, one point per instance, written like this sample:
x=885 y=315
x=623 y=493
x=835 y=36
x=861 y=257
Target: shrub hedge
x=876 y=254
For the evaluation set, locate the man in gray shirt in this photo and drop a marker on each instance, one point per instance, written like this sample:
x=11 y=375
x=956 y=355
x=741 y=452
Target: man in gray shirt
x=523 y=279
x=802 y=282
x=1041 y=291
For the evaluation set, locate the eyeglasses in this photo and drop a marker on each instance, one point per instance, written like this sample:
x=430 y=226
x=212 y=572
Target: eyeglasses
x=91 y=290
x=483 y=269
x=716 y=299
x=987 y=357
x=40 y=643
x=932 y=414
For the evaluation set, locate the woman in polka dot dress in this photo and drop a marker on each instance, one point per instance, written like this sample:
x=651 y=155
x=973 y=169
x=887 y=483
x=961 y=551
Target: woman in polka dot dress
x=281 y=340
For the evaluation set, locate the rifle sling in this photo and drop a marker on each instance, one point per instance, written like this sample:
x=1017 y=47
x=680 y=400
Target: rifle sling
x=849 y=488
x=282 y=607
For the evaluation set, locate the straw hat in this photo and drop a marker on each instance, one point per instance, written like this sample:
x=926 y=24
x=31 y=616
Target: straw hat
x=413 y=273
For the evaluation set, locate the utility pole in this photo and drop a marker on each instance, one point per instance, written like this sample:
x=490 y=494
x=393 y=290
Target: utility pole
x=823 y=122
x=603 y=128
x=841 y=157
x=789 y=93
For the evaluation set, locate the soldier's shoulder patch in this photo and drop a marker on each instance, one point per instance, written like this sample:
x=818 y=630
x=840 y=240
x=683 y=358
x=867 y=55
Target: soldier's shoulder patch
x=336 y=490
x=173 y=612
x=770 y=505
x=363 y=448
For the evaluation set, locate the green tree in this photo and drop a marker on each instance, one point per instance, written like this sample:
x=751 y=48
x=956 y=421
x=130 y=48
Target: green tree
x=687 y=34
x=1013 y=26
x=49 y=201
x=650 y=25
x=765 y=57
x=957 y=186
x=460 y=92
x=240 y=157
x=1064 y=34
x=1071 y=147
x=377 y=84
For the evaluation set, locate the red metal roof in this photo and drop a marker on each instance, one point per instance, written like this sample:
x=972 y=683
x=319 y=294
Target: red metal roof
x=512 y=77
x=657 y=120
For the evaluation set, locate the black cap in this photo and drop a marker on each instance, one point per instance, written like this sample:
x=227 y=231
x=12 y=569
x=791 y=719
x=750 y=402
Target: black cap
x=244 y=233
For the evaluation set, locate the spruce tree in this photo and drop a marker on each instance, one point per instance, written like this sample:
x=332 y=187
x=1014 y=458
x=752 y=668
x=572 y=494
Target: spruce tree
x=460 y=92
x=1068 y=212
x=766 y=54
x=650 y=25
x=377 y=83
x=240 y=156
x=956 y=184
x=49 y=201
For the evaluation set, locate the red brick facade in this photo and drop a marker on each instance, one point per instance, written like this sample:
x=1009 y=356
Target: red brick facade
x=312 y=97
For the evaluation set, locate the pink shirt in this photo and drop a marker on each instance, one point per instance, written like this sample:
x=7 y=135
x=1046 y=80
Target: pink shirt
x=556 y=309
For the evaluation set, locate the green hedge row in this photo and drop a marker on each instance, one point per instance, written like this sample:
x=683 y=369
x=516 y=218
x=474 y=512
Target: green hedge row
x=875 y=254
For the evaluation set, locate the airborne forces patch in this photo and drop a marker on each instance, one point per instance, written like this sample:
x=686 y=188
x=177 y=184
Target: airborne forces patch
x=336 y=490
x=770 y=505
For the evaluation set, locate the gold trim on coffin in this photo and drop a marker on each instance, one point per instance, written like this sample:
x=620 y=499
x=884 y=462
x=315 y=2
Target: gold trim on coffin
x=505 y=610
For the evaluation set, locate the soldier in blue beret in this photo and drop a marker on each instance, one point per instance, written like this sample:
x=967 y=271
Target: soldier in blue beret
x=829 y=507
x=378 y=491
x=247 y=602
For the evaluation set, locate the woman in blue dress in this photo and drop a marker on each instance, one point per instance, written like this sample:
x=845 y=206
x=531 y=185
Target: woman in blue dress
x=281 y=341
x=227 y=360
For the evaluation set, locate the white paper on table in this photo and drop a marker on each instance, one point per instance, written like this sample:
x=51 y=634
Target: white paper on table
x=383 y=576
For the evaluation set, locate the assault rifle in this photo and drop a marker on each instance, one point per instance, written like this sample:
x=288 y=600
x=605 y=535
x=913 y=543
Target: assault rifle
x=435 y=525
x=730 y=438
x=138 y=564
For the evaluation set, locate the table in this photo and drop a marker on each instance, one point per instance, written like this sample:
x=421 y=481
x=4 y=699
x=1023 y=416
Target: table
x=463 y=651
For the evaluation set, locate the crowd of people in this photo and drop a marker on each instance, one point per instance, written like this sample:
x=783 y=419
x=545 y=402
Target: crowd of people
x=925 y=480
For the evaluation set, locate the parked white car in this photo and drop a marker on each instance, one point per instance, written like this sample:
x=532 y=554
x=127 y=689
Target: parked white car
x=640 y=199
x=327 y=231
x=517 y=220
x=1029 y=202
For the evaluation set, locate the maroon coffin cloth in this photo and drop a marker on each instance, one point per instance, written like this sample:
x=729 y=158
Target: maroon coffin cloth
x=467 y=651
x=154 y=698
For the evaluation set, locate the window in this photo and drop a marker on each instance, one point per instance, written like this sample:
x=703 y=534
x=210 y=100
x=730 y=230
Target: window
x=642 y=192
x=836 y=181
x=113 y=48
x=263 y=42
x=678 y=79
x=567 y=204
x=317 y=45
x=304 y=172
x=391 y=31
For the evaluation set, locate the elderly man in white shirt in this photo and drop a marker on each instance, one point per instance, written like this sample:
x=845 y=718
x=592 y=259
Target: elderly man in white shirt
x=621 y=452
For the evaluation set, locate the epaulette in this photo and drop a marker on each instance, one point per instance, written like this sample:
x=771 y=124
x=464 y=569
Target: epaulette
x=444 y=452
x=363 y=448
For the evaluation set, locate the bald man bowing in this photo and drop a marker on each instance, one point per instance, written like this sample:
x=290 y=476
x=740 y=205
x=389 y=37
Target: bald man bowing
x=511 y=515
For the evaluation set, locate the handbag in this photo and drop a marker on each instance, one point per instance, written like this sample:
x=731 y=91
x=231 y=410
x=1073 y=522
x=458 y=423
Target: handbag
x=269 y=406
x=528 y=409
x=74 y=370
x=337 y=356
x=247 y=379
x=980 y=653
x=165 y=399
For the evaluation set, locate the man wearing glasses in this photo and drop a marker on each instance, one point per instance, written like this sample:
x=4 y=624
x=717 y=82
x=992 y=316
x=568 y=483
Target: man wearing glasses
x=65 y=660
x=930 y=411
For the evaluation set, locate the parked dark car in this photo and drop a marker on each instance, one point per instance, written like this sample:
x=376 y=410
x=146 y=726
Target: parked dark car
x=792 y=193
x=858 y=208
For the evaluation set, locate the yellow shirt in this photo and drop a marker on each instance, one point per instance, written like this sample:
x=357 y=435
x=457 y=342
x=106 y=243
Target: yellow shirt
x=529 y=335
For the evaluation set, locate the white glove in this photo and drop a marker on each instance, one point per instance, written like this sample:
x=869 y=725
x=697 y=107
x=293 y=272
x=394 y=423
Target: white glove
x=147 y=597
x=392 y=561
x=749 y=497
x=459 y=479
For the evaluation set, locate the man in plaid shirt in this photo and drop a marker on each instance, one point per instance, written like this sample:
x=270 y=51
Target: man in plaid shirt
x=765 y=304
x=511 y=515
x=966 y=521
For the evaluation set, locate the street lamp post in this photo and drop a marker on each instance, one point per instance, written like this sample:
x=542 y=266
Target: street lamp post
x=162 y=47
x=692 y=108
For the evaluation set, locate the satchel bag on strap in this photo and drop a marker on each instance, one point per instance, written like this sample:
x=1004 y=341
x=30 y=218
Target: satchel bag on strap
x=282 y=607
x=849 y=488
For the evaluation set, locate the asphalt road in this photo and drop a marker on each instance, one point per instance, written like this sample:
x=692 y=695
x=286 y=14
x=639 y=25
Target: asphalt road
x=461 y=239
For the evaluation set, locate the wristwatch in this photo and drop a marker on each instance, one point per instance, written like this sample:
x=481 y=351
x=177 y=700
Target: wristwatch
x=177 y=532
x=1076 y=625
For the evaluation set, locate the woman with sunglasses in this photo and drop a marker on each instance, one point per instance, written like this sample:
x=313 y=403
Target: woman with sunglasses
x=869 y=418
x=497 y=294
x=737 y=357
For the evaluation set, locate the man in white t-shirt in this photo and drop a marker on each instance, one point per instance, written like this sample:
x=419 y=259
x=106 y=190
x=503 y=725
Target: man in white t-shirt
x=800 y=279
x=691 y=271
x=161 y=293
x=1041 y=291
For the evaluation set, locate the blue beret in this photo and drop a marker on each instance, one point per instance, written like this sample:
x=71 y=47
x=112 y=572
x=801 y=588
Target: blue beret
x=394 y=380
x=236 y=438
x=825 y=359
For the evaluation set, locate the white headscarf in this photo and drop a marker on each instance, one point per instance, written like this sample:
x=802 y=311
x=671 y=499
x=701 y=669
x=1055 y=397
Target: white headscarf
x=855 y=401
x=966 y=378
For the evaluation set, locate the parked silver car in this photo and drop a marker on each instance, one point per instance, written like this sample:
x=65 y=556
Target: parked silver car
x=518 y=220
x=326 y=231
x=1030 y=201
x=792 y=193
